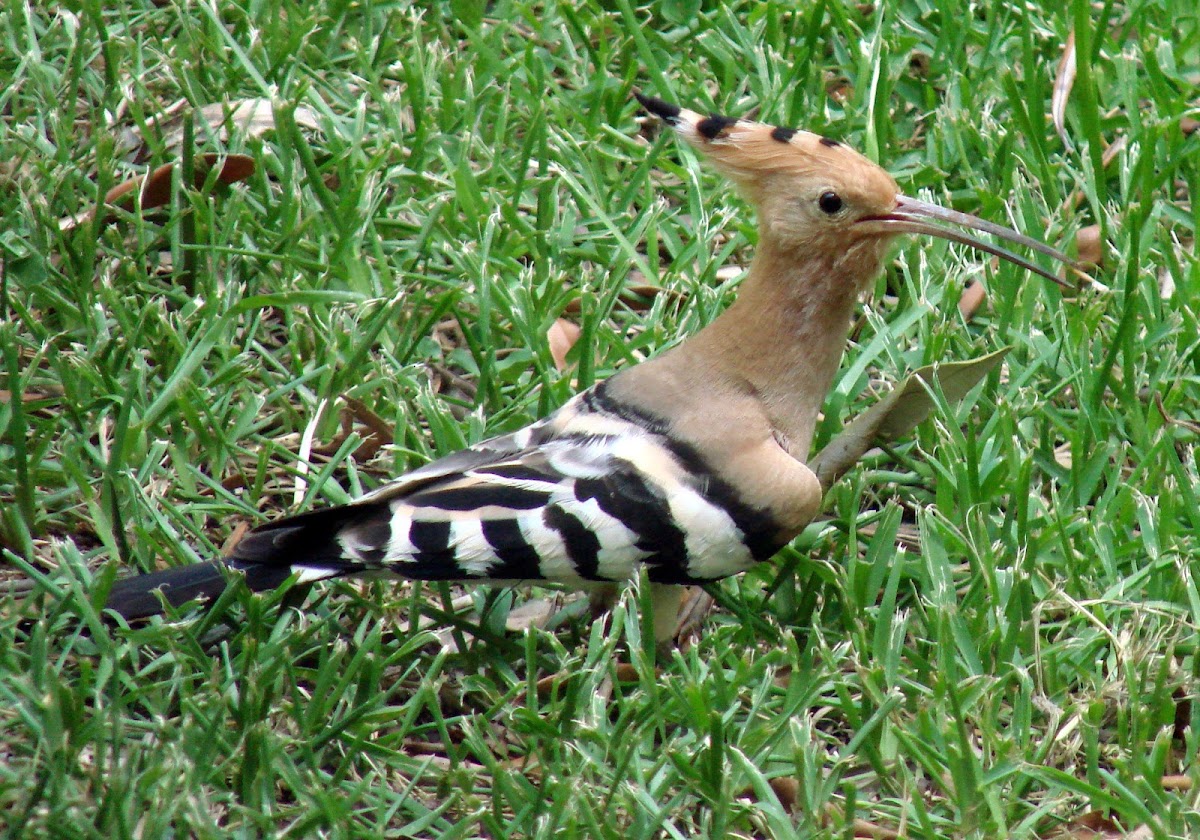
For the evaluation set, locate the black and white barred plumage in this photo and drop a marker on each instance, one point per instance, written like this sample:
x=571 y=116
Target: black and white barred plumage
x=586 y=495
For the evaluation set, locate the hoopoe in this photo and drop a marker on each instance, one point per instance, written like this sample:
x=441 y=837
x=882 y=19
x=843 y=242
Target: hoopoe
x=690 y=465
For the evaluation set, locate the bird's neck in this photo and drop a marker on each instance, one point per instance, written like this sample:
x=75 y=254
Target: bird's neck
x=784 y=337
x=778 y=346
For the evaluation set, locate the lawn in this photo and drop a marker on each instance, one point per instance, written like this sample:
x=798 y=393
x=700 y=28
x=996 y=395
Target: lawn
x=991 y=631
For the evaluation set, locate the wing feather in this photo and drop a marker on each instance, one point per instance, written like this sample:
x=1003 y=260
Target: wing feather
x=583 y=495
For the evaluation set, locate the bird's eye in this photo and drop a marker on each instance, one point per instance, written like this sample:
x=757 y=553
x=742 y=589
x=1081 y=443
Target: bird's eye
x=829 y=202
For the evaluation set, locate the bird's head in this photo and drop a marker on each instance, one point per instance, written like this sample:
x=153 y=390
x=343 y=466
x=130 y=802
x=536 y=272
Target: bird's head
x=818 y=197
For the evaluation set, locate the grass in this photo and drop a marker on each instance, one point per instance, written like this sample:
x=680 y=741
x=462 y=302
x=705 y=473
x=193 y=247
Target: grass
x=992 y=633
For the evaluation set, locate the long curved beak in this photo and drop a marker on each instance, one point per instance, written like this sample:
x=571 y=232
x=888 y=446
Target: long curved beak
x=921 y=217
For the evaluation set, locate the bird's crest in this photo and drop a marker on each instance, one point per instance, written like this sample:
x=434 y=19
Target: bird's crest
x=753 y=154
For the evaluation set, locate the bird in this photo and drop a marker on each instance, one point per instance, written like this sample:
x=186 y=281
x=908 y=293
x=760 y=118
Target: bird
x=688 y=467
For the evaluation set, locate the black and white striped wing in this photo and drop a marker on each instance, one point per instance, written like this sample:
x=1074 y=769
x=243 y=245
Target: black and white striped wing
x=584 y=495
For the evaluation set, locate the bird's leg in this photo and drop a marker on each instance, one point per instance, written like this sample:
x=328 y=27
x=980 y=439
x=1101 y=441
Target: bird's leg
x=665 y=601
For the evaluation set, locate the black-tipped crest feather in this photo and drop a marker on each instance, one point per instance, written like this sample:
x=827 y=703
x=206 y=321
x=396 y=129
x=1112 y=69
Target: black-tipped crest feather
x=665 y=111
x=714 y=125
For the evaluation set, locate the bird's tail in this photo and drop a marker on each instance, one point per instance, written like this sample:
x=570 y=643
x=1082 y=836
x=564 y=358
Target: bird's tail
x=308 y=545
x=143 y=595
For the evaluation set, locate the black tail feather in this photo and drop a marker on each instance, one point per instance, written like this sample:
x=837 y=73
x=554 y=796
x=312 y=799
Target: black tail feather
x=142 y=596
x=267 y=556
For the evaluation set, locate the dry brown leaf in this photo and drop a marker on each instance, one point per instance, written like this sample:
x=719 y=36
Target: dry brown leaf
x=562 y=336
x=1112 y=150
x=378 y=433
x=546 y=684
x=919 y=63
x=638 y=297
x=533 y=613
x=697 y=604
x=1094 y=825
x=627 y=673
x=370 y=419
x=527 y=764
x=253 y=117
x=1183 y=698
x=1109 y=155
x=839 y=89
x=787 y=791
x=1064 y=80
x=29 y=396
x=907 y=536
x=248 y=117
x=458 y=389
x=414 y=746
x=235 y=537
x=1089 y=245
x=971 y=299
x=381 y=432
x=154 y=188
x=871 y=831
